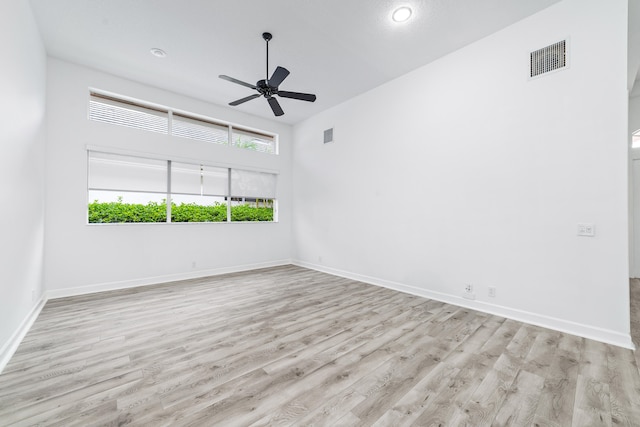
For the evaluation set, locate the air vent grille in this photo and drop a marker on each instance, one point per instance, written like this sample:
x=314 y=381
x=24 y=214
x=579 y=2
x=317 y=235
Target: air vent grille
x=328 y=136
x=547 y=59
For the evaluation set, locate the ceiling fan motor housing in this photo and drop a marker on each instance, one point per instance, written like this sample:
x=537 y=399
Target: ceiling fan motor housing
x=265 y=89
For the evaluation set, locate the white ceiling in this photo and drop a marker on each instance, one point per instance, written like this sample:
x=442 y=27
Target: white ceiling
x=334 y=48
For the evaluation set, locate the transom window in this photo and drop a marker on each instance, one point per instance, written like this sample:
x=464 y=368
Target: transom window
x=164 y=120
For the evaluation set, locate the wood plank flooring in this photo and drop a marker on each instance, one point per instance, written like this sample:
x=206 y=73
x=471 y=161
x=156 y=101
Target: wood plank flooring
x=290 y=346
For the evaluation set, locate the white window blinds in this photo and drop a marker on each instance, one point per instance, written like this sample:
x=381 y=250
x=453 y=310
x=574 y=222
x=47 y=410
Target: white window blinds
x=118 y=112
x=107 y=108
x=126 y=173
x=253 y=184
x=200 y=130
x=198 y=180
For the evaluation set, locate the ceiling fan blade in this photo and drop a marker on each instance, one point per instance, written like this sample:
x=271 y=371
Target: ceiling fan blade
x=245 y=99
x=297 y=95
x=236 y=81
x=275 y=106
x=278 y=76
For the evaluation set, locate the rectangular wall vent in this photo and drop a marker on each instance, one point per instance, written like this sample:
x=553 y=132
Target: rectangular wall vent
x=547 y=59
x=328 y=135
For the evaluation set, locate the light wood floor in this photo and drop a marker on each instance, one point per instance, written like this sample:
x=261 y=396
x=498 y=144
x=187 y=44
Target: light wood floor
x=290 y=346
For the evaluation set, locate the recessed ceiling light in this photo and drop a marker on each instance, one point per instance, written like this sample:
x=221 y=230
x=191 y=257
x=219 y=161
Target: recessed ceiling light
x=401 y=14
x=158 y=52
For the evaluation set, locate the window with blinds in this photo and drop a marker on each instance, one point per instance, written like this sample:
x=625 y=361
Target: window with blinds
x=140 y=115
x=253 y=141
x=249 y=188
x=199 y=130
x=126 y=189
x=199 y=193
x=198 y=180
x=132 y=189
x=122 y=113
x=249 y=184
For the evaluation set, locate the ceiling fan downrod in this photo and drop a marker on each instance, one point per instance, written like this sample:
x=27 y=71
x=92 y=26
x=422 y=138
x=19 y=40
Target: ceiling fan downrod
x=267 y=36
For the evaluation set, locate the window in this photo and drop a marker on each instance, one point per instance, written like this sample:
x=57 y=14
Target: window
x=119 y=112
x=200 y=130
x=126 y=189
x=253 y=141
x=131 y=189
x=140 y=115
x=251 y=193
x=199 y=193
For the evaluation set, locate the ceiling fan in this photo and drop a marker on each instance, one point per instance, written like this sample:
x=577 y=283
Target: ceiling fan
x=270 y=86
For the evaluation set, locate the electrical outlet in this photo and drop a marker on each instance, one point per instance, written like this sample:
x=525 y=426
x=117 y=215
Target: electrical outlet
x=586 y=229
x=468 y=292
x=33 y=296
x=492 y=291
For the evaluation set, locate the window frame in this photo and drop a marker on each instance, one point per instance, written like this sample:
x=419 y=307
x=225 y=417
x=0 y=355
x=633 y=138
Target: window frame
x=169 y=160
x=156 y=109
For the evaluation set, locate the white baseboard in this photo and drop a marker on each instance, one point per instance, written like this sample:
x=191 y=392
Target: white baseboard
x=561 y=325
x=10 y=347
x=146 y=281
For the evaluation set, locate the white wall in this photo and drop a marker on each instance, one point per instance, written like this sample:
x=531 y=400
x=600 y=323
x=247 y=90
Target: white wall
x=83 y=258
x=464 y=171
x=633 y=47
x=634 y=190
x=22 y=108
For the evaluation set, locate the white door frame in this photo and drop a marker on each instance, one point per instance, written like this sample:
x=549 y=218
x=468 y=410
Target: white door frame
x=634 y=156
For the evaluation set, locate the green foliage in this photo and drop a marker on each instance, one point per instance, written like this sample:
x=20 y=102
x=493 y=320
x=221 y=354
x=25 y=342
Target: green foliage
x=116 y=212
x=251 y=213
x=247 y=144
x=119 y=212
x=191 y=212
